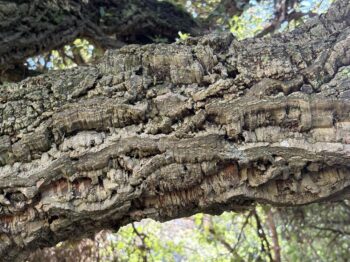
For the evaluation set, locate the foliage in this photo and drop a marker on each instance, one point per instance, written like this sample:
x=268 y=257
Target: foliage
x=302 y=236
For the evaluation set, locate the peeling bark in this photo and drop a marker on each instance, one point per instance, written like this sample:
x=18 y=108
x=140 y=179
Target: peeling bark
x=165 y=131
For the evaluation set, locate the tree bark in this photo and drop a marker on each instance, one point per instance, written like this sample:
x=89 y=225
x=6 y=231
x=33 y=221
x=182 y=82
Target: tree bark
x=29 y=28
x=166 y=131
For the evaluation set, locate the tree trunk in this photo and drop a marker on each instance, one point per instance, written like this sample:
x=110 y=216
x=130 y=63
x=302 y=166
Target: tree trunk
x=166 y=131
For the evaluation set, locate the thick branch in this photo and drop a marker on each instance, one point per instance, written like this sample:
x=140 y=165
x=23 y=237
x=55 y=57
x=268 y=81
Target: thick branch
x=165 y=131
x=28 y=28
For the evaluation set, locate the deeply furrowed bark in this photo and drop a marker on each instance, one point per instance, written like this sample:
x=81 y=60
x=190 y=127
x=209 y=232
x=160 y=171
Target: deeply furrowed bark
x=165 y=131
x=29 y=28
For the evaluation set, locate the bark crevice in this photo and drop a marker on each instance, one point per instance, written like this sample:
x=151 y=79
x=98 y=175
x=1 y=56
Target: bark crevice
x=165 y=131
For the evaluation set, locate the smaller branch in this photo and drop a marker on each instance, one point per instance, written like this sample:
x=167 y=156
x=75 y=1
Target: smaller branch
x=241 y=232
x=309 y=241
x=334 y=230
x=272 y=226
x=221 y=240
x=143 y=247
x=261 y=233
x=278 y=21
x=330 y=242
x=226 y=9
x=345 y=206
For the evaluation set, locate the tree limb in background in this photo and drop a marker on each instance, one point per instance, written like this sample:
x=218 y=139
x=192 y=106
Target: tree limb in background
x=284 y=12
x=265 y=245
x=225 y=10
x=29 y=28
x=274 y=235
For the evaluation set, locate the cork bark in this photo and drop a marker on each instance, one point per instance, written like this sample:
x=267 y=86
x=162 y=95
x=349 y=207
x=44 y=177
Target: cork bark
x=164 y=131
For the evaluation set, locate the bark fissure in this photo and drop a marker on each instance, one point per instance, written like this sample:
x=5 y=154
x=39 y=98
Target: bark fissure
x=164 y=131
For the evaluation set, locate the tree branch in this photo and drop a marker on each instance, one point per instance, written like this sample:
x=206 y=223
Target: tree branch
x=274 y=235
x=29 y=28
x=166 y=131
x=225 y=10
